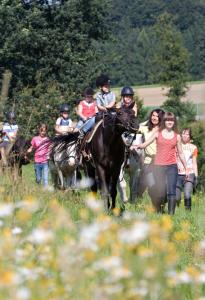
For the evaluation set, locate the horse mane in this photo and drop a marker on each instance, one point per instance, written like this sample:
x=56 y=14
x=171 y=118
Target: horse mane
x=61 y=142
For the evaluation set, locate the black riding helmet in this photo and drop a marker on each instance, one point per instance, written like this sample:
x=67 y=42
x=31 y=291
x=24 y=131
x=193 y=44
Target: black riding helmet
x=127 y=90
x=10 y=115
x=64 y=107
x=102 y=80
x=88 y=91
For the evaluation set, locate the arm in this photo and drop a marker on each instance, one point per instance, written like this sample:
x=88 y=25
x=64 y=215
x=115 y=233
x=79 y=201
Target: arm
x=147 y=143
x=30 y=149
x=135 y=109
x=111 y=104
x=180 y=153
x=195 y=166
x=101 y=108
x=80 y=112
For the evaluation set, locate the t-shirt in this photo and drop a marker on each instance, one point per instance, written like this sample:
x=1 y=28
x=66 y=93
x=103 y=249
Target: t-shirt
x=105 y=99
x=151 y=149
x=11 y=129
x=41 y=148
x=190 y=151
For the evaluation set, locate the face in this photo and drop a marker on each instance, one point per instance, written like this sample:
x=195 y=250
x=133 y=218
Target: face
x=65 y=114
x=127 y=99
x=155 y=118
x=169 y=124
x=105 y=88
x=89 y=98
x=186 y=136
x=42 y=132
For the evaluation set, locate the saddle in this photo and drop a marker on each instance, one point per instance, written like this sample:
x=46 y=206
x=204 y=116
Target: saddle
x=84 y=147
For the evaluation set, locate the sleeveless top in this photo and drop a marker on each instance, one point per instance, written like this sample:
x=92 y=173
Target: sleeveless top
x=88 y=109
x=166 y=150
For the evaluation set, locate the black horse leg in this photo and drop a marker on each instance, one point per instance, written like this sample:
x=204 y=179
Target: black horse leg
x=113 y=192
x=90 y=171
x=103 y=187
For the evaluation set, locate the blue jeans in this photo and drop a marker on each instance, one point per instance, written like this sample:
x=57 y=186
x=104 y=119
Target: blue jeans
x=166 y=180
x=41 y=171
x=87 y=125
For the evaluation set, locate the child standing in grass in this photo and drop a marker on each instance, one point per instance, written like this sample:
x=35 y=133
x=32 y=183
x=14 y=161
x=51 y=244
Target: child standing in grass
x=40 y=146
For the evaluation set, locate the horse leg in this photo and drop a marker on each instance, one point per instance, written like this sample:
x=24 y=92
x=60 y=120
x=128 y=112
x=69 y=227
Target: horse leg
x=134 y=178
x=60 y=175
x=103 y=187
x=114 y=181
x=90 y=170
x=122 y=186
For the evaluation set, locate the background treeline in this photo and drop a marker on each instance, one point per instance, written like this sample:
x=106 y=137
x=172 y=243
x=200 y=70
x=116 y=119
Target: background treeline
x=130 y=55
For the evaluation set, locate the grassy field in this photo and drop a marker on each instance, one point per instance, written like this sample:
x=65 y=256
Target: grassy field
x=61 y=245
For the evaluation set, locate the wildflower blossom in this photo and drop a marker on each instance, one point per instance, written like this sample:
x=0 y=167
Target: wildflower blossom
x=40 y=236
x=94 y=205
x=6 y=209
x=108 y=263
x=135 y=234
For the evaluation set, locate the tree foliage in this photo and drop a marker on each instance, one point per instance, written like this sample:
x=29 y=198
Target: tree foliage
x=50 y=43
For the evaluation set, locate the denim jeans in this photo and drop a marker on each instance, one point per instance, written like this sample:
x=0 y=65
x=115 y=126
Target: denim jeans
x=41 y=171
x=89 y=124
x=79 y=124
x=186 y=185
x=166 y=180
x=86 y=125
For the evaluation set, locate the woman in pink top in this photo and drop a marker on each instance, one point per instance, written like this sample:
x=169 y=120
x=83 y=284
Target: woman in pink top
x=40 y=145
x=165 y=164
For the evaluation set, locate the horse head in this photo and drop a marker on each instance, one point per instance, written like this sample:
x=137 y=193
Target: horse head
x=17 y=153
x=126 y=120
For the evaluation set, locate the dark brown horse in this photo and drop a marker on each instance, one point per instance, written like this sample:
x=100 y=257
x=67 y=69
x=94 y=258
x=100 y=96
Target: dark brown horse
x=17 y=156
x=108 y=150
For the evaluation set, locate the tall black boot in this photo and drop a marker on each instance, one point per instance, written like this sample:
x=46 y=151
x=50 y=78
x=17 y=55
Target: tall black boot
x=171 y=205
x=187 y=203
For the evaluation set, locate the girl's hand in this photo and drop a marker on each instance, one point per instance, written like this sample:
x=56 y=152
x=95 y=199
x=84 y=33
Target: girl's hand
x=135 y=147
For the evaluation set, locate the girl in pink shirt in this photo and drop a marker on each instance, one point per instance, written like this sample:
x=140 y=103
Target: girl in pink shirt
x=165 y=163
x=40 y=145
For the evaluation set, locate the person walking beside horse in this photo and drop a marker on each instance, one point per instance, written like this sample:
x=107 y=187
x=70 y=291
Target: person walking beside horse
x=187 y=183
x=40 y=144
x=147 y=174
x=168 y=142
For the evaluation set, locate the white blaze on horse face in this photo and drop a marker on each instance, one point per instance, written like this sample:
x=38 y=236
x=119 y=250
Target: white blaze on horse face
x=133 y=140
x=71 y=154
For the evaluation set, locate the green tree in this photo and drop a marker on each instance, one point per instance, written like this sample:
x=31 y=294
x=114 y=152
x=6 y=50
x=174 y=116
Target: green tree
x=171 y=58
x=51 y=43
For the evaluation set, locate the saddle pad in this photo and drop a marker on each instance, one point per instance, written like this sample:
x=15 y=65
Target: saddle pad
x=93 y=131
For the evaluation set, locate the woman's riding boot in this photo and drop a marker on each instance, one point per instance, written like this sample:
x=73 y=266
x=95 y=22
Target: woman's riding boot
x=171 y=205
x=187 y=203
